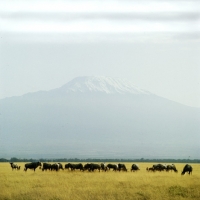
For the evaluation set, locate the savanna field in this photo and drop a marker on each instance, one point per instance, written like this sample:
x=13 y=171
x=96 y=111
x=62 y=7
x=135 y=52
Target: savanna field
x=66 y=184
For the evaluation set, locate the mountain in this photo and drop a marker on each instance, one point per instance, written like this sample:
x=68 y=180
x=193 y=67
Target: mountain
x=105 y=85
x=97 y=117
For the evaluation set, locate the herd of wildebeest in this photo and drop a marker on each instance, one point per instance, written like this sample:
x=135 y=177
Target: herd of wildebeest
x=91 y=167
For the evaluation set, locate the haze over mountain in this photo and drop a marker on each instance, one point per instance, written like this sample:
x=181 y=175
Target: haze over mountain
x=98 y=117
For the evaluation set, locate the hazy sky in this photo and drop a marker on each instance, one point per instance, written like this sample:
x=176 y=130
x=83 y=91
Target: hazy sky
x=154 y=44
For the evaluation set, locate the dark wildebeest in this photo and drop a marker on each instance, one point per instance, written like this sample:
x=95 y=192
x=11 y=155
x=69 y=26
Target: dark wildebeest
x=74 y=166
x=87 y=167
x=32 y=165
x=171 y=167
x=112 y=166
x=122 y=167
x=14 y=166
x=46 y=166
x=78 y=166
x=67 y=166
x=91 y=167
x=94 y=167
x=134 y=167
x=188 y=169
x=103 y=167
x=55 y=167
x=159 y=167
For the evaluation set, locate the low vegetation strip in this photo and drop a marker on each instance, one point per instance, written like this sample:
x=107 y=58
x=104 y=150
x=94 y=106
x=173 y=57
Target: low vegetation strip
x=77 y=184
x=167 y=160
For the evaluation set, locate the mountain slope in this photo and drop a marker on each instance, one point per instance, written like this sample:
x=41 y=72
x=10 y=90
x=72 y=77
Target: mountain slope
x=98 y=117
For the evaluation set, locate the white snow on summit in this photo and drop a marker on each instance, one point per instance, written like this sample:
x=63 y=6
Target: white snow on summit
x=101 y=84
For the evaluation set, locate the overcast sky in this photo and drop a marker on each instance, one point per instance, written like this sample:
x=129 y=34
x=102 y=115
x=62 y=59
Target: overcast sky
x=154 y=44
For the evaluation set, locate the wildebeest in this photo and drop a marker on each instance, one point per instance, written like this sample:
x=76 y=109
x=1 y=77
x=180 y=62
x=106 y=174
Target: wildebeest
x=159 y=167
x=74 y=166
x=46 y=166
x=60 y=166
x=134 y=167
x=112 y=166
x=92 y=167
x=68 y=165
x=171 y=167
x=188 y=169
x=14 y=166
x=87 y=167
x=122 y=167
x=103 y=167
x=32 y=165
x=55 y=167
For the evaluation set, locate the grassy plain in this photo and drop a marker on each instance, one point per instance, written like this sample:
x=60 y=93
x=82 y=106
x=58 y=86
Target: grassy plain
x=141 y=185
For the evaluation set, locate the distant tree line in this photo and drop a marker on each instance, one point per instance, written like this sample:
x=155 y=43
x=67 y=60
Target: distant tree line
x=101 y=160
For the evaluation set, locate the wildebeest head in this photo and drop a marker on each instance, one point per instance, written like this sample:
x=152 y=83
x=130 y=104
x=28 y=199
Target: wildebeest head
x=175 y=170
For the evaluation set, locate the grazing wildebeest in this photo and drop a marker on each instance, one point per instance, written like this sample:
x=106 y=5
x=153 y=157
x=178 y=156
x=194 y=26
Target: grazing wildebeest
x=14 y=166
x=67 y=166
x=55 y=167
x=91 y=167
x=188 y=169
x=78 y=166
x=94 y=167
x=112 y=166
x=134 y=167
x=103 y=167
x=171 y=167
x=46 y=166
x=87 y=167
x=159 y=167
x=122 y=167
x=74 y=166
x=32 y=165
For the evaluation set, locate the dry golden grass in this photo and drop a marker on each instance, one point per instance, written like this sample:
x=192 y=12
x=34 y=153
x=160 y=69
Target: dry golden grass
x=141 y=185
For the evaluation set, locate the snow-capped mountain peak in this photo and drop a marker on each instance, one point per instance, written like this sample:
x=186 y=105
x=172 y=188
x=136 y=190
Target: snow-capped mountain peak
x=102 y=84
